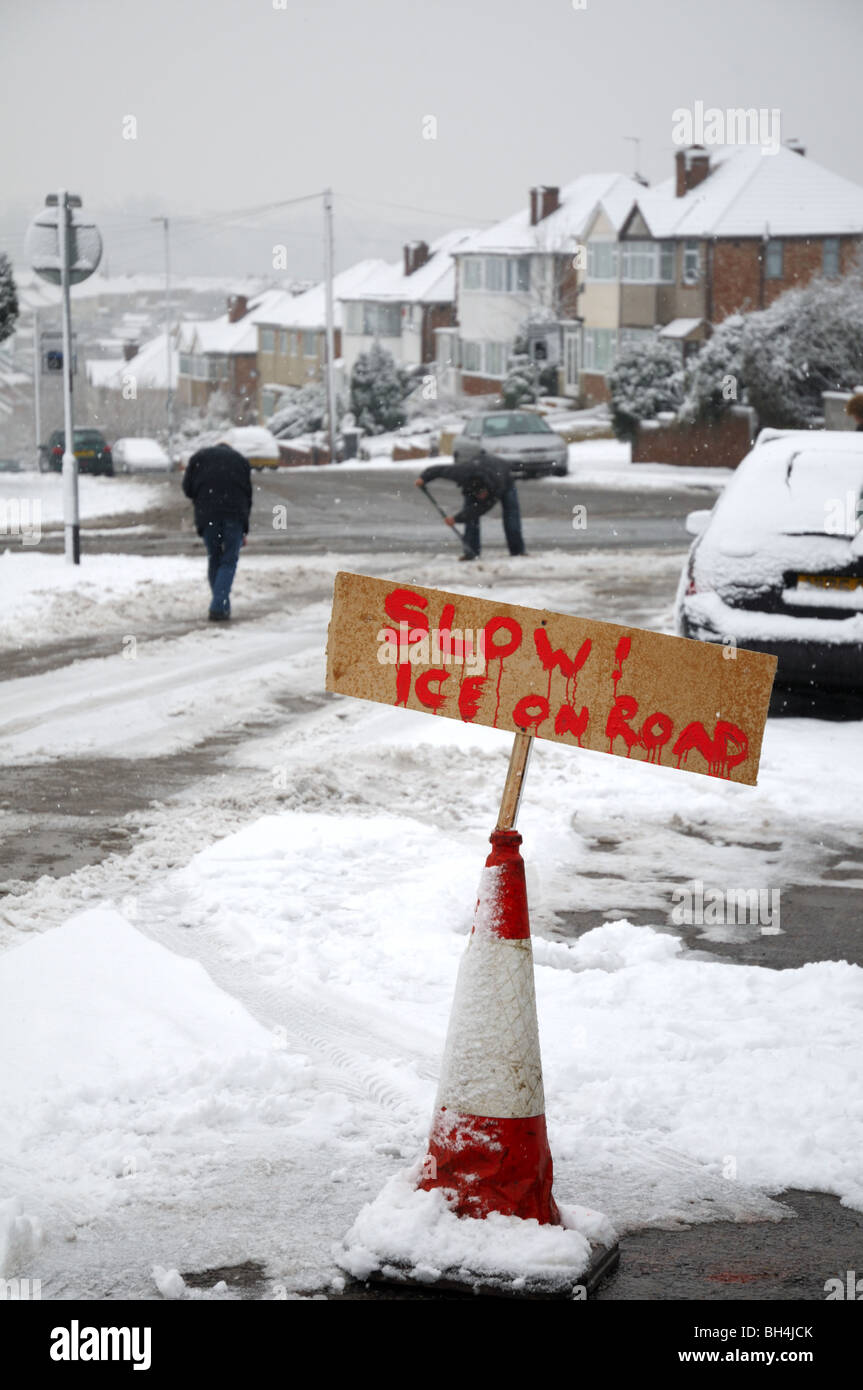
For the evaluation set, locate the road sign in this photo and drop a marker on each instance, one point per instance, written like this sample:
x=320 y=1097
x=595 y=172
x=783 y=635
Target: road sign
x=44 y=251
x=595 y=685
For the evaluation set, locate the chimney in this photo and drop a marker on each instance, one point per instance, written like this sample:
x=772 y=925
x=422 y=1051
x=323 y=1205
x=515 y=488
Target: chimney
x=796 y=146
x=691 y=168
x=543 y=202
x=130 y=350
x=238 y=307
x=416 y=254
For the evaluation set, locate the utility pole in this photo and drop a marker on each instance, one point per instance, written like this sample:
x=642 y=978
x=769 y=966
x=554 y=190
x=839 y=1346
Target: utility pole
x=330 y=319
x=71 y=518
x=37 y=379
x=169 y=405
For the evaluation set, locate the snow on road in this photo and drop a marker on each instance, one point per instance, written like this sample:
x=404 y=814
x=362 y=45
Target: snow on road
x=307 y=916
x=97 y=496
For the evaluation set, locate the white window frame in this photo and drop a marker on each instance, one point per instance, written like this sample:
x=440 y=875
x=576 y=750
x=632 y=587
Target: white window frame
x=472 y=277
x=495 y=359
x=647 y=257
x=268 y=340
x=471 y=357
x=596 y=269
x=310 y=337
x=597 y=348
x=691 y=261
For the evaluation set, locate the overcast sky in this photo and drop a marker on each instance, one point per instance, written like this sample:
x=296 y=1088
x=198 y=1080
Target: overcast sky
x=239 y=103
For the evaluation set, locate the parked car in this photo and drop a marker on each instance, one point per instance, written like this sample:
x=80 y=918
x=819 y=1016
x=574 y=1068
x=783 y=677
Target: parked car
x=11 y=466
x=777 y=565
x=256 y=444
x=139 y=455
x=91 y=450
x=518 y=436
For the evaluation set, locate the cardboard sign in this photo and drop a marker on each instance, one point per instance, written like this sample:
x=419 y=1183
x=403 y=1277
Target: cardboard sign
x=619 y=690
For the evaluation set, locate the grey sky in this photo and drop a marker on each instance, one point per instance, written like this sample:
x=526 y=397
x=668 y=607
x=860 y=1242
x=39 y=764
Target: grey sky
x=239 y=103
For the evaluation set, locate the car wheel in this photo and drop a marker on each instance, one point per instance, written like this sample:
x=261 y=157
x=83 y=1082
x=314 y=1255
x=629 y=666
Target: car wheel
x=560 y=470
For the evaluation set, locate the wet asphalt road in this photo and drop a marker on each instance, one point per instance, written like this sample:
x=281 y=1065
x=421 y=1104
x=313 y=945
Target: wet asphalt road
x=374 y=510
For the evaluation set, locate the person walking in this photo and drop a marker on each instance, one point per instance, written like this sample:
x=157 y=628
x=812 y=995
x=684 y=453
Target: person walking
x=483 y=482
x=219 y=482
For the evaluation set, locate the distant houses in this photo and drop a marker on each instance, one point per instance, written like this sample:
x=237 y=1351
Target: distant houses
x=575 y=275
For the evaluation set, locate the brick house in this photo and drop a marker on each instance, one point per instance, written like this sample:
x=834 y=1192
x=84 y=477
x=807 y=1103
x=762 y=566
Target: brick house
x=404 y=304
x=731 y=231
x=221 y=355
x=292 y=337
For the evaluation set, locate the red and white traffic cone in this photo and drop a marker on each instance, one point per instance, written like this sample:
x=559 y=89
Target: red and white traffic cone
x=488 y=1141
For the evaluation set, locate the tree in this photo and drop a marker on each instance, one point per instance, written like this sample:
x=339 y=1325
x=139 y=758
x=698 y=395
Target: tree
x=713 y=379
x=808 y=341
x=8 y=300
x=378 y=390
x=646 y=378
x=526 y=379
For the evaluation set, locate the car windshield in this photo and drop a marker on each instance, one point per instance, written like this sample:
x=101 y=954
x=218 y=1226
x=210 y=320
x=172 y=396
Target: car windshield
x=515 y=424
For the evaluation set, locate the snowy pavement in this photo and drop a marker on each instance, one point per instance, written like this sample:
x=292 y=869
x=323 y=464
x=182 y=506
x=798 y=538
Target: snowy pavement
x=234 y=1025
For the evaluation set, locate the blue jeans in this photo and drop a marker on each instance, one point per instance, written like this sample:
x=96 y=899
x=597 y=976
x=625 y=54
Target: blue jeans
x=511 y=524
x=224 y=540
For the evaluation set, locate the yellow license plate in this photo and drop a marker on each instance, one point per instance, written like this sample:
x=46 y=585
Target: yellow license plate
x=829 y=581
x=86 y=453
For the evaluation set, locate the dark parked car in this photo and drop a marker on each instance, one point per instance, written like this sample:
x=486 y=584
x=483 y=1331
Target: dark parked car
x=91 y=450
x=778 y=563
x=517 y=436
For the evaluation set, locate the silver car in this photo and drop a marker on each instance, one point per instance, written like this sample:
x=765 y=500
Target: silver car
x=519 y=438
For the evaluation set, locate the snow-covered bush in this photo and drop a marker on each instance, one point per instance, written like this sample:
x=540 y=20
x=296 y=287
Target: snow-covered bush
x=808 y=341
x=8 y=300
x=301 y=410
x=378 y=390
x=713 y=379
x=646 y=378
x=526 y=380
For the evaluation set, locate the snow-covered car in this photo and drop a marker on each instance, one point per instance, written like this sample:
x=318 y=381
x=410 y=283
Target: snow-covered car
x=777 y=566
x=517 y=436
x=256 y=444
x=133 y=455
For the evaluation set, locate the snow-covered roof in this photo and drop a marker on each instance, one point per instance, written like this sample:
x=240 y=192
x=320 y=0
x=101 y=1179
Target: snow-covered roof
x=750 y=193
x=680 y=328
x=149 y=367
x=309 y=310
x=579 y=201
x=433 y=282
x=204 y=336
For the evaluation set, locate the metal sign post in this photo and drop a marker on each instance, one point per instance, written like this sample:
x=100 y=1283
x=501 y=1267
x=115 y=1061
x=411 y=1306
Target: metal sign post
x=65 y=251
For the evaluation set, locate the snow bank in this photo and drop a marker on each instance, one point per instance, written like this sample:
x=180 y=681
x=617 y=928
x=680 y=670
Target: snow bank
x=96 y=496
x=405 y=1232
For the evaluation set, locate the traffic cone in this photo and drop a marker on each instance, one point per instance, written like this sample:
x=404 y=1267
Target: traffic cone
x=488 y=1140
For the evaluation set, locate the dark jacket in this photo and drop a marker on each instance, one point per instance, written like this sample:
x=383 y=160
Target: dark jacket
x=483 y=482
x=219 y=481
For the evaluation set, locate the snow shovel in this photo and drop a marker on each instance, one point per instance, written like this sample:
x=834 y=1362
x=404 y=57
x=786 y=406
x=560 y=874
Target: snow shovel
x=469 y=554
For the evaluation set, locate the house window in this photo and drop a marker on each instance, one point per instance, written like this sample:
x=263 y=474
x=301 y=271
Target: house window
x=310 y=346
x=389 y=320
x=268 y=402
x=600 y=349
x=217 y=368
x=472 y=278
x=185 y=364
x=268 y=340
x=691 y=262
x=518 y=274
x=830 y=257
x=284 y=342
x=471 y=357
x=601 y=260
x=773 y=259
x=628 y=336
x=199 y=368
x=353 y=318
x=495 y=359
x=647 y=262
x=495 y=273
